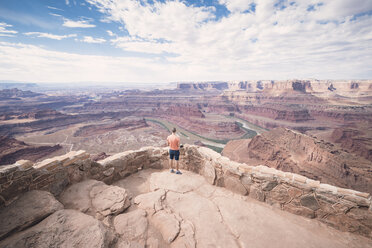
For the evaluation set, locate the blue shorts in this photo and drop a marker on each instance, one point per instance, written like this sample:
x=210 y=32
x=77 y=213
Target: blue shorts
x=174 y=154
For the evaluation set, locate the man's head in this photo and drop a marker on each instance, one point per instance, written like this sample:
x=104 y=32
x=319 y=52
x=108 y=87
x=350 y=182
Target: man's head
x=174 y=130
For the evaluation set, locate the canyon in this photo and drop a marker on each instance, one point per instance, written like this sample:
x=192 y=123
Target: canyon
x=291 y=151
x=296 y=162
x=209 y=114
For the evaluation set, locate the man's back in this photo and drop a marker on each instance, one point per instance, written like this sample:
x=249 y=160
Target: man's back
x=174 y=142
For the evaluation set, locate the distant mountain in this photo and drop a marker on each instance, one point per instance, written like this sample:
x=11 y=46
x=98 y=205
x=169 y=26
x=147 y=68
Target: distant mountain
x=15 y=93
x=11 y=85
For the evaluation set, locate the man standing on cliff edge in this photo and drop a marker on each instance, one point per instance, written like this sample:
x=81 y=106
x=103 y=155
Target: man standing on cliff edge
x=173 y=141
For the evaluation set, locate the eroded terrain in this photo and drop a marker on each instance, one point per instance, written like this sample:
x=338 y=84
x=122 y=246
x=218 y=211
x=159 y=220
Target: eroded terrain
x=207 y=114
x=165 y=210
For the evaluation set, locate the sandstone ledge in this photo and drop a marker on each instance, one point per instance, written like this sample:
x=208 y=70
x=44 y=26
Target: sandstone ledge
x=344 y=209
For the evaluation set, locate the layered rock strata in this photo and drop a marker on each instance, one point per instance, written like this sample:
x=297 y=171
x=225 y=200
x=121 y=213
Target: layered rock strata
x=292 y=151
x=12 y=150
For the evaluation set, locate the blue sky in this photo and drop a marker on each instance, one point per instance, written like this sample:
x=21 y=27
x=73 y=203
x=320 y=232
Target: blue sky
x=152 y=41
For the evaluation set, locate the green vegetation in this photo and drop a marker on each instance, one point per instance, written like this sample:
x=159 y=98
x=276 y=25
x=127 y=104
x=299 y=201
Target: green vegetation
x=209 y=139
x=258 y=128
x=195 y=134
x=248 y=132
x=158 y=122
x=184 y=134
x=215 y=148
x=187 y=133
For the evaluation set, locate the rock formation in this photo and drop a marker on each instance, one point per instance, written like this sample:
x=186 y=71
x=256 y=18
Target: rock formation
x=354 y=140
x=12 y=150
x=291 y=151
x=15 y=93
x=145 y=206
x=26 y=211
x=208 y=109
x=128 y=124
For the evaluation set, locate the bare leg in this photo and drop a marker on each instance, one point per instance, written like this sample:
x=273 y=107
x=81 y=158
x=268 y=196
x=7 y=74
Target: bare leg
x=171 y=163
x=177 y=164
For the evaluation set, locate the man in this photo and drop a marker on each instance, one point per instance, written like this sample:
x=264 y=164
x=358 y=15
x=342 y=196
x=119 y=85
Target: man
x=173 y=141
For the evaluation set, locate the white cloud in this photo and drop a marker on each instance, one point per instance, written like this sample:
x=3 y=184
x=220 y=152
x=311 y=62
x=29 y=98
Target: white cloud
x=237 y=5
x=90 y=39
x=143 y=45
x=41 y=65
x=110 y=33
x=273 y=41
x=49 y=36
x=187 y=43
x=4 y=31
x=67 y=2
x=77 y=24
x=53 y=14
x=54 y=8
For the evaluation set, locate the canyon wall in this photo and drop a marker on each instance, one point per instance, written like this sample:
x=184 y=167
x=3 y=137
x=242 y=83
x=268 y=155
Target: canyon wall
x=344 y=209
x=291 y=151
x=311 y=85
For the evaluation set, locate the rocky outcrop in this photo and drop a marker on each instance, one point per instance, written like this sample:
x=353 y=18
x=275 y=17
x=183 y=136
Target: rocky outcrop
x=57 y=122
x=98 y=156
x=129 y=124
x=29 y=209
x=203 y=86
x=214 y=130
x=344 y=209
x=132 y=226
x=12 y=150
x=290 y=151
x=354 y=140
x=287 y=114
x=41 y=114
x=64 y=228
x=6 y=94
x=95 y=198
x=193 y=213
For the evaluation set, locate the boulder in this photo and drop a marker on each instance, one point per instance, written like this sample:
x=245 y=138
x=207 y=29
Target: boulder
x=109 y=200
x=132 y=226
x=167 y=224
x=27 y=210
x=96 y=198
x=77 y=196
x=64 y=228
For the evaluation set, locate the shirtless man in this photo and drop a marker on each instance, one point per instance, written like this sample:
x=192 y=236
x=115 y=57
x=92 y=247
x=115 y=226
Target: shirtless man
x=173 y=141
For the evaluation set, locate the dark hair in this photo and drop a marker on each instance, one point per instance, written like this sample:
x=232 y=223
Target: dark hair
x=174 y=130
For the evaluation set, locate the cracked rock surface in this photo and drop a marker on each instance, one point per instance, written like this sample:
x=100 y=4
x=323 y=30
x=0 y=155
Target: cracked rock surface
x=189 y=212
x=27 y=210
x=64 y=228
x=95 y=198
x=159 y=209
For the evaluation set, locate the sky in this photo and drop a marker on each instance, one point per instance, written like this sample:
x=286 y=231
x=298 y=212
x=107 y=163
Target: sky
x=162 y=41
